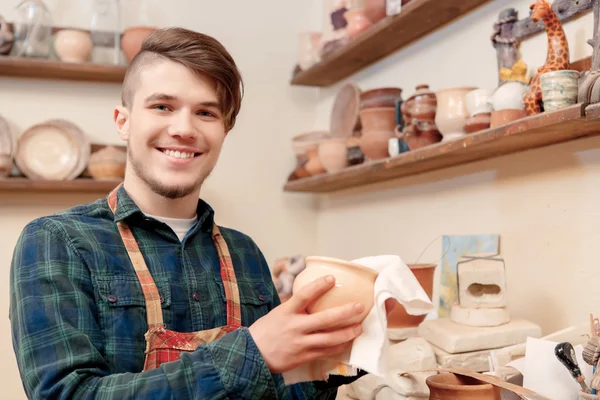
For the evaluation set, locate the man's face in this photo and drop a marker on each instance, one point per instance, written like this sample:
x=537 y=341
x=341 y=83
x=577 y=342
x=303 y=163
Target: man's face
x=174 y=129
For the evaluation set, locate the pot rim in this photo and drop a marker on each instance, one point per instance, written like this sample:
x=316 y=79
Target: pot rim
x=450 y=386
x=421 y=266
x=341 y=262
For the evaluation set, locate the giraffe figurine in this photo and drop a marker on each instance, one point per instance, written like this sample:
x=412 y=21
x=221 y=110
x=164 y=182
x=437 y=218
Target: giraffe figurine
x=558 y=53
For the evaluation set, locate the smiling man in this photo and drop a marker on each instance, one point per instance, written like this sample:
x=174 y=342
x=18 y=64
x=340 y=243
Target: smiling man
x=141 y=295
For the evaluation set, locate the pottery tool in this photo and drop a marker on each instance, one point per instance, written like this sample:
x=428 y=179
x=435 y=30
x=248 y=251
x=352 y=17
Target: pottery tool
x=566 y=355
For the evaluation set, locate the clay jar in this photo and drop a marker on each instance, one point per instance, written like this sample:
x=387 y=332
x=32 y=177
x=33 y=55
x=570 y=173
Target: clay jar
x=357 y=22
x=448 y=386
x=399 y=318
x=378 y=127
x=353 y=283
x=451 y=114
x=107 y=163
x=131 y=41
x=380 y=97
x=72 y=45
x=333 y=153
x=421 y=107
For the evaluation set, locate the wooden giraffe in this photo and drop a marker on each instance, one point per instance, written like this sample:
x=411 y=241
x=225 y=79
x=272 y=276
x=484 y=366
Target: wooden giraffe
x=558 y=53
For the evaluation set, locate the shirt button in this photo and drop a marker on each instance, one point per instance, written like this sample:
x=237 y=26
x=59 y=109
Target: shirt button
x=196 y=296
x=262 y=297
x=162 y=300
x=112 y=299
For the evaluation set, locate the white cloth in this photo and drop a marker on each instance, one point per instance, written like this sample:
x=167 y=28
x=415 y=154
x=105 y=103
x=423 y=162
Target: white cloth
x=180 y=226
x=370 y=348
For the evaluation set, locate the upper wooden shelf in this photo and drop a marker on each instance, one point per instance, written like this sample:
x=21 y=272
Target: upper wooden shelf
x=417 y=19
x=532 y=132
x=80 y=185
x=51 y=69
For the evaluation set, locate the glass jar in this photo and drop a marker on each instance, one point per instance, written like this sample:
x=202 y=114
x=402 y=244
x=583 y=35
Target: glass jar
x=105 y=30
x=32 y=30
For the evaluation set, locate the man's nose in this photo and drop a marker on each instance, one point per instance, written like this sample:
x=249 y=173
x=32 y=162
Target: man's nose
x=183 y=126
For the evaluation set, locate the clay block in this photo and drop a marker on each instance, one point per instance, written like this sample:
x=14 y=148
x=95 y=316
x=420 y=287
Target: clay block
x=479 y=316
x=396 y=334
x=455 y=338
x=477 y=361
x=414 y=354
x=481 y=283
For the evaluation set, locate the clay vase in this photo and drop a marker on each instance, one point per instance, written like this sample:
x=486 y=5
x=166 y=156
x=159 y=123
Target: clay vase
x=353 y=283
x=380 y=97
x=107 y=163
x=399 y=318
x=73 y=45
x=422 y=105
x=451 y=114
x=131 y=41
x=375 y=10
x=333 y=154
x=447 y=386
x=357 y=22
x=378 y=127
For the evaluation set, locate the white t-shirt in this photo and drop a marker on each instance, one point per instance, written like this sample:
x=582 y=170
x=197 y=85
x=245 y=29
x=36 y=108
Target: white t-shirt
x=180 y=226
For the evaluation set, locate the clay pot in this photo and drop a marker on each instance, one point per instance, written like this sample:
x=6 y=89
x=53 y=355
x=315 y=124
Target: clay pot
x=305 y=147
x=381 y=97
x=378 y=127
x=107 y=164
x=131 y=41
x=333 y=154
x=451 y=114
x=478 y=123
x=478 y=101
x=422 y=105
x=509 y=96
x=559 y=89
x=313 y=165
x=74 y=46
x=502 y=117
x=357 y=22
x=375 y=10
x=447 y=386
x=399 y=318
x=354 y=283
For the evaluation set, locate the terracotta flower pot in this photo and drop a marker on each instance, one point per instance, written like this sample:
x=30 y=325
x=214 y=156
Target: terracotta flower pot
x=132 y=39
x=354 y=283
x=399 y=318
x=449 y=386
x=378 y=127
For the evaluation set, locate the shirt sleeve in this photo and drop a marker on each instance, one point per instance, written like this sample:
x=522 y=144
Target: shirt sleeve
x=58 y=342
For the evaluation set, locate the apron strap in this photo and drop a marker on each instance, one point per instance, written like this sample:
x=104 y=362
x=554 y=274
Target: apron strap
x=153 y=308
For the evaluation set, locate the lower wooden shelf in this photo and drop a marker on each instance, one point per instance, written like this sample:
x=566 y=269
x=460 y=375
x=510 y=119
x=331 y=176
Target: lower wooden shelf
x=571 y=123
x=82 y=185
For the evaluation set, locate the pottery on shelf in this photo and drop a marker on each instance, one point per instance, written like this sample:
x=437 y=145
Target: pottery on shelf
x=420 y=108
x=380 y=97
x=309 y=47
x=502 y=117
x=132 y=39
x=357 y=22
x=375 y=10
x=451 y=113
x=478 y=122
x=6 y=37
x=447 y=386
x=509 y=96
x=559 y=89
x=107 y=163
x=378 y=127
x=398 y=317
x=305 y=147
x=333 y=154
x=478 y=101
x=353 y=283
x=73 y=45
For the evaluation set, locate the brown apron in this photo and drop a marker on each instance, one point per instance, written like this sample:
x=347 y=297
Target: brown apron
x=164 y=345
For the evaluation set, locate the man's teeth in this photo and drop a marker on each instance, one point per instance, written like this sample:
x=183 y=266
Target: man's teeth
x=178 y=154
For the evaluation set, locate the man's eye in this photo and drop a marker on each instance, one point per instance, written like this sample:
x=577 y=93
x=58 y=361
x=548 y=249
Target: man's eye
x=206 y=114
x=161 y=107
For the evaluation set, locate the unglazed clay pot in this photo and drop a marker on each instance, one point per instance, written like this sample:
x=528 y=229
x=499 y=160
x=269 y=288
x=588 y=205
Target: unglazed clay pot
x=380 y=97
x=107 y=163
x=399 y=318
x=333 y=154
x=353 y=283
x=131 y=41
x=502 y=117
x=357 y=22
x=74 y=46
x=447 y=386
x=451 y=114
x=378 y=127
x=375 y=10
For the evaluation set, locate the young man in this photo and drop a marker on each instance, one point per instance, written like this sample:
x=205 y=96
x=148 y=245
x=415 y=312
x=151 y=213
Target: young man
x=140 y=295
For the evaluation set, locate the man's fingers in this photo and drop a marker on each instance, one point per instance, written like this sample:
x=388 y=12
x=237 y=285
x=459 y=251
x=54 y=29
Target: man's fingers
x=323 y=352
x=345 y=315
x=324 y=340
x=311 y=292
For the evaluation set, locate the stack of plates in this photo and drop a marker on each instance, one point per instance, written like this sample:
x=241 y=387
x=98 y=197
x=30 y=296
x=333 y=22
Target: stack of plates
x=53 y=150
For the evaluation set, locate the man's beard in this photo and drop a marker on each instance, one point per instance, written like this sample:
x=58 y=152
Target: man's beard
x=156 y=186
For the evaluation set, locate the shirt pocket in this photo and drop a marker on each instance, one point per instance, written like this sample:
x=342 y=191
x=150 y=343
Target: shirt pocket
x=126 y=291
x=256 y=299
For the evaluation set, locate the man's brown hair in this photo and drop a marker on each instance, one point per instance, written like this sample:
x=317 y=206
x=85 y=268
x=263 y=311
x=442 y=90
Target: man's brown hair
x=200 y=53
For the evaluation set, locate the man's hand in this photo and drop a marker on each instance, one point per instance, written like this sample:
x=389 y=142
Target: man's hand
x=288 y=336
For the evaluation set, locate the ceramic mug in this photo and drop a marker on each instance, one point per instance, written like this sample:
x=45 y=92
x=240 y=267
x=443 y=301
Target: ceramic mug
x=559 y=89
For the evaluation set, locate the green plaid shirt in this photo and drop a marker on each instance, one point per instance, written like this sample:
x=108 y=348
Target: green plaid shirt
x=78 y=313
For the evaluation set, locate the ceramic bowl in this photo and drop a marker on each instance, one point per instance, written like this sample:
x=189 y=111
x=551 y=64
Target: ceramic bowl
x=353 y=283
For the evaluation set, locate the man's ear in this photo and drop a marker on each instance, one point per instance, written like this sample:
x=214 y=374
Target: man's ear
x=121 y=118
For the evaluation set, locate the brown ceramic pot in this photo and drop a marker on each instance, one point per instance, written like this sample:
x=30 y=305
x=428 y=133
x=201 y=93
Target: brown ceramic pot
x=447 y=386
x=502 y=117
x=399 y=318
x=378 y=127
x=131 y=41
x=478 y=123
x=381 y=97
x=422 y=105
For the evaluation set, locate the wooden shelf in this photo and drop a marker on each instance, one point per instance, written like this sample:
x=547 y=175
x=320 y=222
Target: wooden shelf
x=417 y=19
x=81 y=185
x=50 y=69
x=528 y=133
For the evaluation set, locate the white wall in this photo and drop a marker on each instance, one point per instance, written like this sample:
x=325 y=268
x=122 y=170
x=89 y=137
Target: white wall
x=245 y=188
x=543 y=203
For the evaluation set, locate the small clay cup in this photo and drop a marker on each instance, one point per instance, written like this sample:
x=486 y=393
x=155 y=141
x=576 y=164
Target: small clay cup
x=448 y=386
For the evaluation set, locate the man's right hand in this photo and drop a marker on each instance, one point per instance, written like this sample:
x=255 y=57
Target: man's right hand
x=288 y=336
